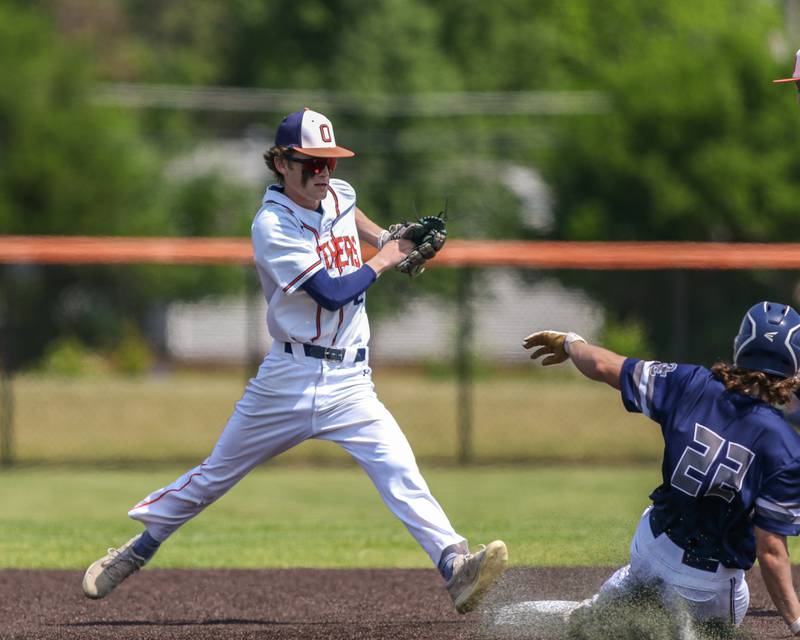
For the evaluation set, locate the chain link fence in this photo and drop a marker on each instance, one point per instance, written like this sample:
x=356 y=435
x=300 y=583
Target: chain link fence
x=129 y=365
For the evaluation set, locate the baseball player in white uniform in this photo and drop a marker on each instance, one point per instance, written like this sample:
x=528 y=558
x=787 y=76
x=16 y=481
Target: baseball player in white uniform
x=315 y=382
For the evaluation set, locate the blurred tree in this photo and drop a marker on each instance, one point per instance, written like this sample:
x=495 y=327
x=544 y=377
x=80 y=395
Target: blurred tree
x=65 y=169
x=134 y=40
x=66 y=166
x=699 y=145
x=69 y=168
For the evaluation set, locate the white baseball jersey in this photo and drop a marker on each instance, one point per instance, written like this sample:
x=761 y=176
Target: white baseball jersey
x=291 y=244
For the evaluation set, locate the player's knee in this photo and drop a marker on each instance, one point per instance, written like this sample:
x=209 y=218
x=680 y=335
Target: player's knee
x=403 y=478
x=211 y=485
x=400 y=464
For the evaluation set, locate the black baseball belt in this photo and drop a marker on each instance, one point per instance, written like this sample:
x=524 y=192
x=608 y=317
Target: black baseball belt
x=327 y=353
x=690 y=557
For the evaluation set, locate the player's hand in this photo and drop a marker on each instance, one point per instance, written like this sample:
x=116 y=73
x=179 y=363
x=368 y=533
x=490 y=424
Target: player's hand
x=391 y=254
x=398 y=250
x=553 y=344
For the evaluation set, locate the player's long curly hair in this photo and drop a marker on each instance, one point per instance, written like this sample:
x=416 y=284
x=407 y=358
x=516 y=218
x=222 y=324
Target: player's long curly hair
x=269 y=159
x=769 y=388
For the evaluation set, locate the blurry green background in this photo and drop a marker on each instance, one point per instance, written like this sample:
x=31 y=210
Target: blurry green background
x=643 y=119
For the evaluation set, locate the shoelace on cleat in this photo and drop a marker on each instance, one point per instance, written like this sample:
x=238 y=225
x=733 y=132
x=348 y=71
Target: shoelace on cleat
x=469 y=569
x=115 y=567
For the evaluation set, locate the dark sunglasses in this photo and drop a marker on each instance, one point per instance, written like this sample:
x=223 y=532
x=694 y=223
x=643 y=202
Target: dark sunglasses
x=314 y=166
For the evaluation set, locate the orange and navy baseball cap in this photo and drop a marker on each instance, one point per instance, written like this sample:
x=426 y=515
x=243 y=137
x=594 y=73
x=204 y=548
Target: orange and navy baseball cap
x=796 y=74
x=310 y=133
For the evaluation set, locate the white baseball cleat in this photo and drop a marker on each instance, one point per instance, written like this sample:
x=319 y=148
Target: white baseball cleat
x=473 y=574
x=108 y=572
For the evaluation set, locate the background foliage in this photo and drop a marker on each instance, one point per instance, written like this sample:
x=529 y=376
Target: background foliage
x=696 y=145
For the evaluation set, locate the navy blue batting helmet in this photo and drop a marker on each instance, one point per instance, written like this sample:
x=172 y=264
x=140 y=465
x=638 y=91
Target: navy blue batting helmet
x=769 y=340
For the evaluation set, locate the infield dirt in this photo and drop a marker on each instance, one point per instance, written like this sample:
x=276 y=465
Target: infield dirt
x=287 y=603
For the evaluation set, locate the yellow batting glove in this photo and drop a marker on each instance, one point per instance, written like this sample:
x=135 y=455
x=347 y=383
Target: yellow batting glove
x=554 y=343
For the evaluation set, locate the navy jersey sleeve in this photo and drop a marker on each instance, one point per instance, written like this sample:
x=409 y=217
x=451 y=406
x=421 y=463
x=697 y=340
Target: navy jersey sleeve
x=653 y=388
x=778 y=503
x=333 y=293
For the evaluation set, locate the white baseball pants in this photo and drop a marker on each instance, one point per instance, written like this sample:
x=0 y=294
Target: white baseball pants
x=722 y=594
x=293 y=398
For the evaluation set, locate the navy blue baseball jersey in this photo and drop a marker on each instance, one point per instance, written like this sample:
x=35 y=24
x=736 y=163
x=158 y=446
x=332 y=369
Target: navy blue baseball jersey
x=730 y=462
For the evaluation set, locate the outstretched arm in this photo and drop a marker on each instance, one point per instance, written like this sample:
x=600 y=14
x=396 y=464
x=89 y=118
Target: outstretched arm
x=773 y=558
x=592 y=361
x=597 y=363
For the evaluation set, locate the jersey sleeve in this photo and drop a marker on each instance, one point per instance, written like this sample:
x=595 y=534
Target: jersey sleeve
x=653 y=388
x=344 y=191
x=777 y=507
x=283 y=251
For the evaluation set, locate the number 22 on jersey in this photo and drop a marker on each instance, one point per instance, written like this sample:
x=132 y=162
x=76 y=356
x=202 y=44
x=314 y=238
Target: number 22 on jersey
x=698 y=458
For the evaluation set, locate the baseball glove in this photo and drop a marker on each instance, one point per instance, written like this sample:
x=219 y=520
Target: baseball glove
x=428 y=233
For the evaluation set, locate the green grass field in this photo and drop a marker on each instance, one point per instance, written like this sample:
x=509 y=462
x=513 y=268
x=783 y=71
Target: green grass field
x=580 y=511
x=528 y=415
x=283 y=516
x=298 y=516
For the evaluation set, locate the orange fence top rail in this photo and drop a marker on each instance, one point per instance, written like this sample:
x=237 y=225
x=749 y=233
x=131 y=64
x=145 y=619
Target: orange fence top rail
x=457 y=253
